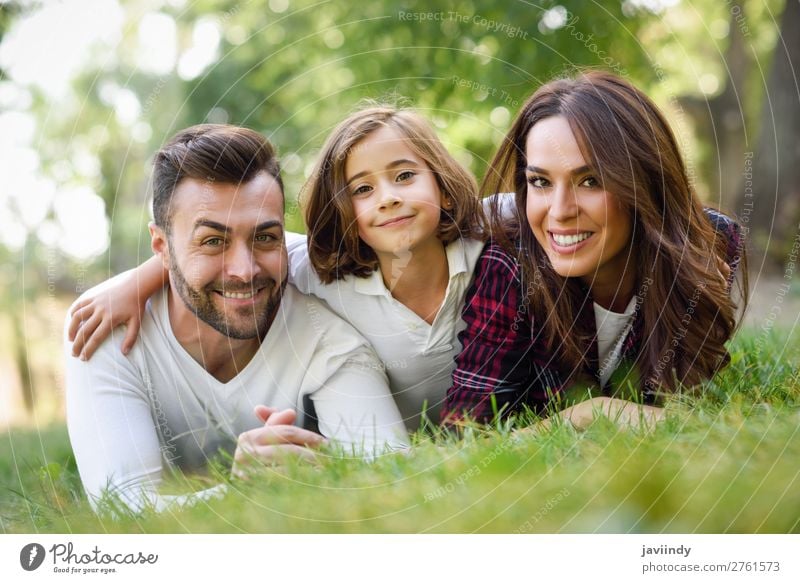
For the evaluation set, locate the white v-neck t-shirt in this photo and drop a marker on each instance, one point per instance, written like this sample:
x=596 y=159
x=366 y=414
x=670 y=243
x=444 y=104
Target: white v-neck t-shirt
x=418 y=357
x=132 y=417
x=612 y=329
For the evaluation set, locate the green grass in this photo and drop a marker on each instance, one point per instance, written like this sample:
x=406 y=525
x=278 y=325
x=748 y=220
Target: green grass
x=724 y=461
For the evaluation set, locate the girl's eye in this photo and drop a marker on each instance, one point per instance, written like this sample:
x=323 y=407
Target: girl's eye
x=538 y=181
x=590 y=182
x=363 y=189
x=405 y=175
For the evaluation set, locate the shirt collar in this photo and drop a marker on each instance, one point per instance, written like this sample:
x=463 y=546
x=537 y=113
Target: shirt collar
x=373 y=285
x=457 y=257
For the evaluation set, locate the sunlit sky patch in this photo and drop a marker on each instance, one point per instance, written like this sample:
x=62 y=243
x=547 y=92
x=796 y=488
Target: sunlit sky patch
x=49 y=46
x=44 y=51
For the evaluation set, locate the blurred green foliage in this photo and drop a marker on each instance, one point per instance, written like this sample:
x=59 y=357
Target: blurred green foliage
x=294 y=69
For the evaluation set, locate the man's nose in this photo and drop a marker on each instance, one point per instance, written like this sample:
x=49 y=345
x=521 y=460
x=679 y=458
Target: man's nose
x=239 y=262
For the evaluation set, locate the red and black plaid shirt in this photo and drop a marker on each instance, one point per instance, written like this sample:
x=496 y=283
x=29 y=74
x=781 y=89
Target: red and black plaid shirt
x=504 y=362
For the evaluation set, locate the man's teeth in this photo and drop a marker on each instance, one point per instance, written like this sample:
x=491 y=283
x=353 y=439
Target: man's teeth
x=238 y=296
x=566 y=240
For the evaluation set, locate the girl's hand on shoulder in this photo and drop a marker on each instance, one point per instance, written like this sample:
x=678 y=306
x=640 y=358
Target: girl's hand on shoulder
x=93 y=318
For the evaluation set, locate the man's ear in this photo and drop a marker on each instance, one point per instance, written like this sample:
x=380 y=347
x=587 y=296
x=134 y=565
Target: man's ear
x=159 y=244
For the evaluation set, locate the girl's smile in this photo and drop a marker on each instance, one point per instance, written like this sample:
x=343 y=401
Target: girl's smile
x=398 y=221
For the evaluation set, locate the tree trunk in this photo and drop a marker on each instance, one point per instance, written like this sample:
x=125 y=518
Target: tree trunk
x=770 y=203
x=720 y=120
x=21 y=359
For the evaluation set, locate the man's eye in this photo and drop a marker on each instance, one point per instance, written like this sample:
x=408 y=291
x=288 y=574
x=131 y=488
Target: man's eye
x=213 y=242
x=405 y=175
x=266 y=238
x=537 y=181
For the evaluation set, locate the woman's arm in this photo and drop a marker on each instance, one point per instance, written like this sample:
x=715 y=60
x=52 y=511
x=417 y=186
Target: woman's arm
x=120 y=300
x=625 y=414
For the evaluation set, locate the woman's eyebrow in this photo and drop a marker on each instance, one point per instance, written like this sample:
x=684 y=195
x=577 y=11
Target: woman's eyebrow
x=580 y=170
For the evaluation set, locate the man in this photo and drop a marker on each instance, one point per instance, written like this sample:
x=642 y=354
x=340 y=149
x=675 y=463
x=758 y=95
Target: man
x=225 y=337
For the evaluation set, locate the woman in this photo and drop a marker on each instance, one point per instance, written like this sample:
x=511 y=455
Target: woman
x=610 y=273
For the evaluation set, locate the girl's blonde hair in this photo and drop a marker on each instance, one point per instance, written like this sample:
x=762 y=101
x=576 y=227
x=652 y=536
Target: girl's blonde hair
x=334 y=247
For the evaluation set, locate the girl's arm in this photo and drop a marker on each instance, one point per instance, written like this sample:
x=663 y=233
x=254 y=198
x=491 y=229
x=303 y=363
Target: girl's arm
x=120 y=300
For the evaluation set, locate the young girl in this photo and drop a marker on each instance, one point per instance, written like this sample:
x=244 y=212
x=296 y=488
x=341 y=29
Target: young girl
x=611 y=271
x=394 y=229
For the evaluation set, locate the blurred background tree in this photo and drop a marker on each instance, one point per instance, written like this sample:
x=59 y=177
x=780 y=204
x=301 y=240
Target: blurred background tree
x=89 y=89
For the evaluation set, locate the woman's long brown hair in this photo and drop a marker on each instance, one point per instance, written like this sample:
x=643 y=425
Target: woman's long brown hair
x=686 y=313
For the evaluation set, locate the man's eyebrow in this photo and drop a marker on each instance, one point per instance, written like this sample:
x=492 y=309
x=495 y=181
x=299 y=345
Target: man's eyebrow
x=211 y=225
x=580 y=170
x=225 y=229
x=268 y=225
x=394 y=164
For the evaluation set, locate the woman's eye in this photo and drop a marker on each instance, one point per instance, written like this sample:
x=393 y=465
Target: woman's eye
x=405 y=175
x=537 y=181
x=590 y=182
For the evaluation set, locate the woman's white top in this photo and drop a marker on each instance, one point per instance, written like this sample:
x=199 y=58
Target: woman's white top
x=418 y=357
x=612 y=329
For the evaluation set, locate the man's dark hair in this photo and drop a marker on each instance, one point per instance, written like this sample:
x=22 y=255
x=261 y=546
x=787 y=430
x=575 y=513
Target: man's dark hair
x=214 y=152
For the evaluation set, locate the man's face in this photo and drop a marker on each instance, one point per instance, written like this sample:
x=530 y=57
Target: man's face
x=226 y=253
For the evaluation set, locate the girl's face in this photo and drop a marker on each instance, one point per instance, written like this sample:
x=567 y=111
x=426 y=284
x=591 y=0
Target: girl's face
x=582 y=227
x=396 y=198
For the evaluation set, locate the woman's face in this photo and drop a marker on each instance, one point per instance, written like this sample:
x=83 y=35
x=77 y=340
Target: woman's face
x=581 y=226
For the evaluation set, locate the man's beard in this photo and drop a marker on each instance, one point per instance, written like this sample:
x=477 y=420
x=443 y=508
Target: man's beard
x=201 y=304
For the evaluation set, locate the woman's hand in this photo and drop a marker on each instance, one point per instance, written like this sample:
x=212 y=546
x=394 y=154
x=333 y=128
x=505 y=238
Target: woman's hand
x=626 y=414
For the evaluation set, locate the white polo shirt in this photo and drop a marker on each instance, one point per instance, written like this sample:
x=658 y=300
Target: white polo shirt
x=418 y=357
x=132 y=417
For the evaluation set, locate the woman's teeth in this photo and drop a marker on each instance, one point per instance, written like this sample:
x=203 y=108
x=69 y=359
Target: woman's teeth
x=566 y=240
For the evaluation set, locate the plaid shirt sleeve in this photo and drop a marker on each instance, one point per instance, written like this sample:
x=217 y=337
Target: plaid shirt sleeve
x=499 y=360
x=730 y=230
